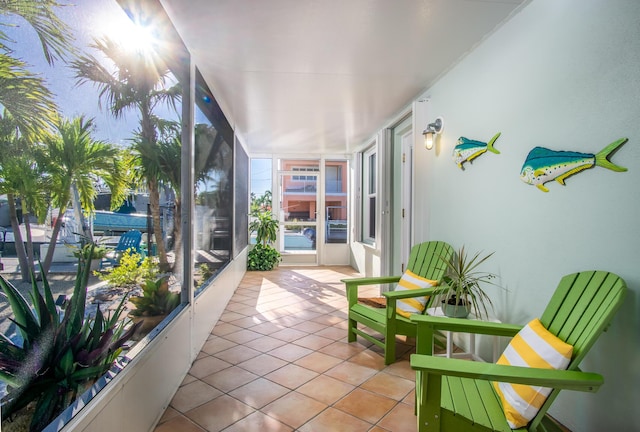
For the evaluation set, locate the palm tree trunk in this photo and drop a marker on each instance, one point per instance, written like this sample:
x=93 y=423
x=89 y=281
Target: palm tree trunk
x=85 y=231
x=54 y=239
x=30 y=254
x=17 y=239
x=154 y=203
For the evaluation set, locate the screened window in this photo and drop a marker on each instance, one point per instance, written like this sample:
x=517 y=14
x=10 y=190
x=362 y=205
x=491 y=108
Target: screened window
x=369 y=195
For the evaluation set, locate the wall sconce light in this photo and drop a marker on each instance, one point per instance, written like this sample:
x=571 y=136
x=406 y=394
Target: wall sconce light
x=431 y=131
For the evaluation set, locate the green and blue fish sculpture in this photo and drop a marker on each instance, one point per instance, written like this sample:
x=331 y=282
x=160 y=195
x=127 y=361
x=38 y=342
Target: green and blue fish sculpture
x=543 y=165
x=467 y=150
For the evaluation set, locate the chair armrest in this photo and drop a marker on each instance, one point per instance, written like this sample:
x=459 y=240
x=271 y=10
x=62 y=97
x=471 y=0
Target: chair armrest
x=353 y=284
x=565 y=379
x=412 y=293
x=371 y=280
x=463 y=325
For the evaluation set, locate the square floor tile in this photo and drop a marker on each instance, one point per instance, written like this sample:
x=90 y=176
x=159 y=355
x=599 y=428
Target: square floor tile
x=392 y=386
x=258 y=422
x=193 y=394
x=288 y=334
x=332 y=419
x=219 y=413
x=343 y=350
x=291 y=376
x=265 y=343
x=290 y=352
x=313 y=342
x=318 y=362
x=400 y=418
x=237 y=354
x=230 y=378
x=325 y=389
x=206 y=366
x=179 y=424
x=216 y=345
x=294 y=409
x=262 y=364
x=365 y=405
x=351 y=373
x=258 y=393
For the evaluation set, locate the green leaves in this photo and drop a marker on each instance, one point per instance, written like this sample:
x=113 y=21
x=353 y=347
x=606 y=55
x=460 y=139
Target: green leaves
x=464 y=281
x=265 y=227
x=58 y=355
x=156 y=298
x=262 y=257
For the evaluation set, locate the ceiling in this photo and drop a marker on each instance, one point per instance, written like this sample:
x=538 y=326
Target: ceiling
x=322 y=76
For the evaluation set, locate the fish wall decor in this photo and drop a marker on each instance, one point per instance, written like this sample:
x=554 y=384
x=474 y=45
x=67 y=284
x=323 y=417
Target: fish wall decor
x=467 y=150
x=543 y=165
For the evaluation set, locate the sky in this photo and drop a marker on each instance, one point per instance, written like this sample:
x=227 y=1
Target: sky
x=88 y=19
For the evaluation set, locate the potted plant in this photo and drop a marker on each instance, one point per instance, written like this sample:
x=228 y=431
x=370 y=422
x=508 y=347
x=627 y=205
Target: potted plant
x=53 y=356
x=263 y=256
x=154 y=305
x=90 y=253
x=462 y=286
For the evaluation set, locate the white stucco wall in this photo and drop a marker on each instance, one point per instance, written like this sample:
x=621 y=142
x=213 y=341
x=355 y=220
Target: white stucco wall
x=563 y=75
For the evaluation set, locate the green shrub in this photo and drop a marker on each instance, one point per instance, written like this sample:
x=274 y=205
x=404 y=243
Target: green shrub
x=132 y=270
x=156 y=298
x=262 y=257
x=60 y=354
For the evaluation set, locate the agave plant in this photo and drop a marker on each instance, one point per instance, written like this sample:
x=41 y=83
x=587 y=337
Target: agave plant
x=60 y=354
x=156 y=298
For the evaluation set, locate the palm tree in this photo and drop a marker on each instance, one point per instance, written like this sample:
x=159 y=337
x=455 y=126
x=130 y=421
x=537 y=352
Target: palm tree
x=22 y=93
x=169 y=153
x=134 y=81
x=75 y=161
x=21 y=177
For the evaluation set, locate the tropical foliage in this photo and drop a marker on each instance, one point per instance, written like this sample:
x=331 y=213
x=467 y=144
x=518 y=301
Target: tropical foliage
x=75 y=162
x=156 y=298
x=131 y=270
x=262 y=257
x=464 y=282
x=137 y=81
x=23 y=93
x=56 y=356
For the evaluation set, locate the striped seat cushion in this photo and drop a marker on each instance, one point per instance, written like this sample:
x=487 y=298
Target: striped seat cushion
x=410 y=281
x=534 y=346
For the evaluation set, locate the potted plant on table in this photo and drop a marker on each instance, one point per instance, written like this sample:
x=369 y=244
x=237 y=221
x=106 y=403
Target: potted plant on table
x=462 y=286
x=156 y=302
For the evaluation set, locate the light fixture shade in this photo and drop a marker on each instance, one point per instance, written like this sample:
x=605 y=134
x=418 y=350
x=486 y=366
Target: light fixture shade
x=428 y=140
x=431 y=131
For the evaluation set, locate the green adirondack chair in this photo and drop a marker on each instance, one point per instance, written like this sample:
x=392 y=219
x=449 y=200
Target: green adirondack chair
x=425 y=261
x=457 y=395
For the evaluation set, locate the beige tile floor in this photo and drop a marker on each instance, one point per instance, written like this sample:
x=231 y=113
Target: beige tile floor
x=278 y=360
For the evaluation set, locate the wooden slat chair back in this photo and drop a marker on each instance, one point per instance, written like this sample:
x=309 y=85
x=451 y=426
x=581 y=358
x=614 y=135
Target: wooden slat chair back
x=453 y=394
x=132 y=239
x=426 y=259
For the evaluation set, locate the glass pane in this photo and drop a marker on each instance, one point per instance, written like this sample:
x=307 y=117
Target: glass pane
x=261 y=196
x=372 y=217
x=335 y=202
x=372 y=174
x=299 y=237
x=298 y=202
x=214 y=185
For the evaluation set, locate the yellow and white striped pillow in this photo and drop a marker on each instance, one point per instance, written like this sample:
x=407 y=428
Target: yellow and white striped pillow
x=411 y=281
x=533 y=346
